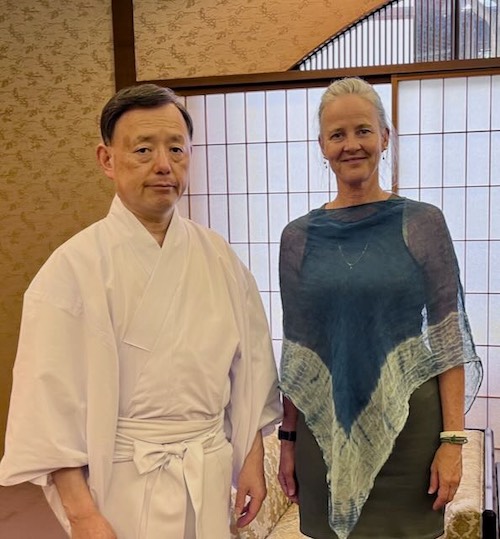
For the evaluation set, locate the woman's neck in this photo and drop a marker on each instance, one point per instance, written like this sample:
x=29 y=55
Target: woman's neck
x=355 y=197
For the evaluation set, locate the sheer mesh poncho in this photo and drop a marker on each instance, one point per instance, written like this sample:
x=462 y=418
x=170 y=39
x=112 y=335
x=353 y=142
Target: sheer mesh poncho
x=373 y=307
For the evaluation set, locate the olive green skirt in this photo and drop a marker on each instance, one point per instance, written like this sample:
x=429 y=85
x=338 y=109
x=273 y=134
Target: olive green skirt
x=398 y=506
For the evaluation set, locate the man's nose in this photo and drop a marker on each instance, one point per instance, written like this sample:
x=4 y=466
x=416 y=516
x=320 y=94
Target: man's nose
x=162 y=162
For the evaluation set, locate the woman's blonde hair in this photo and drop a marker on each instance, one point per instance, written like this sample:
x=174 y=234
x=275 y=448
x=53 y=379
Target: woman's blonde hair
x=354 y=86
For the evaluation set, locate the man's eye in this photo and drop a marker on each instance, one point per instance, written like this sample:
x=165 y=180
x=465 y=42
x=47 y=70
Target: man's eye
x=177 y=149
x=142 y=150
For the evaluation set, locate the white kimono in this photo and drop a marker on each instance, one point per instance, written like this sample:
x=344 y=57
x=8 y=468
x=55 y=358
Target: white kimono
x=115 y=326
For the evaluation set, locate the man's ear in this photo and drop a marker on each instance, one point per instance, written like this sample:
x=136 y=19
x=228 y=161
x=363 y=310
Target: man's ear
x=105 y=159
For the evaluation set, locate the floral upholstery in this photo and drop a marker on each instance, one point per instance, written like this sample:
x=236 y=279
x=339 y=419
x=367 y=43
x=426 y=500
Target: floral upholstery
x=463 y=515
x=279 y=519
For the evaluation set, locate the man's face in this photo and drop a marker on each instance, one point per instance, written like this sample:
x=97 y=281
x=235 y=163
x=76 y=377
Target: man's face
x=148 y=160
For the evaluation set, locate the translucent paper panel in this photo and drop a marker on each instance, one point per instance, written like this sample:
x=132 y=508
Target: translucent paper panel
x=494 y=415
x=198 y=205
x=459 y=247
x=409 y=107
x=278 y=216
x=216 y=116
x=477 y=213
x=242 y=251
x=196 y=108
x=385 y=93
x=455 y=104
x=276 y=116
x=296 y=106
x=217 y=169
x=495 y=158
x=409 y=167
x=477 y=309
x=313 y=101
x=454 y=211
x=478 y=158
x=276 y=316
x=318 y=171
x=316 y=200
x=255 y=116
x=478 y=103
x=259 y=265
x=495 y=102
x=494 y=266
x=274 y=249
x=431 y=160
x=482 y=352
x=494 y=312
x=476 y=260
x=198 y=182
x=454 y=158
x=476 y=418
x=494 y=371
x=259 y=218
x=235 y=118
x=219 y=218
x=297 y=166
x=238 y=218
x=277 y=167
x=495 y=214
x=237 y=168
x=431 y=102
x=432 y=196
x=257 y=168
x=298 y=205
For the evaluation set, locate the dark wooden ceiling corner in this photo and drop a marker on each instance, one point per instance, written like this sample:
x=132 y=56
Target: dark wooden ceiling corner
x=124 y=43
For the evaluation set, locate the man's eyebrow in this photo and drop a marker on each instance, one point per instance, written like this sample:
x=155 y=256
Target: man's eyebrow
x=149 y=138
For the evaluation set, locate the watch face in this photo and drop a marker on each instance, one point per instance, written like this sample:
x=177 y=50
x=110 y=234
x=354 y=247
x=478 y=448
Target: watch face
x=289 y=436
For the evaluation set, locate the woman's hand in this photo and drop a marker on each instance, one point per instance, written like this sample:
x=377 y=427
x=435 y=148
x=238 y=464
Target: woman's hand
x=446 y=473
x=92 y=526
x=286 y=473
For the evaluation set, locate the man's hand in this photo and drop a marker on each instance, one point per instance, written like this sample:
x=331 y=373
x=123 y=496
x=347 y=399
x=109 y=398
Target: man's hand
x=446 y=472
x=251 y=484
x=286 y=473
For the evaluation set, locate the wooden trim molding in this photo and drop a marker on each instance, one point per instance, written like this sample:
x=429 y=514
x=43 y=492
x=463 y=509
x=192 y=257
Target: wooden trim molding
x=126 y=73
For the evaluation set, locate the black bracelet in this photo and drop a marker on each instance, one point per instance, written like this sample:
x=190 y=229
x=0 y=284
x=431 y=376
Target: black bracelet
x=288 y=435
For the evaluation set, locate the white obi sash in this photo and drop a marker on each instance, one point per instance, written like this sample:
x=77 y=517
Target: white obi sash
x=170 y=455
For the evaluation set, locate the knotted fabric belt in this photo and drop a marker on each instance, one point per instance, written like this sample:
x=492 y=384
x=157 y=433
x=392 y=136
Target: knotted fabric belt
x=171 y=455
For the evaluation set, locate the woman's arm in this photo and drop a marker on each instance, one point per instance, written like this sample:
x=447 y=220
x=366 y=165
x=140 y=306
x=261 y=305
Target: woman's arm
x=446 y=468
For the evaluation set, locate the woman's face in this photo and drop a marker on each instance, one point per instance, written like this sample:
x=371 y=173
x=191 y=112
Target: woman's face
x=352 y=140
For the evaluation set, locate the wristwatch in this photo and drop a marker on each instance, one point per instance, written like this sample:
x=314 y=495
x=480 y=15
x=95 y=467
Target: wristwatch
x=288 y=435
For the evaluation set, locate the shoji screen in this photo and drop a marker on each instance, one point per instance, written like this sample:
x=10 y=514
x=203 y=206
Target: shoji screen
x=257 y=165
x=449 y=136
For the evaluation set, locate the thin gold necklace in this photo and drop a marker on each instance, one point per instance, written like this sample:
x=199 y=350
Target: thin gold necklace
x=349 y=264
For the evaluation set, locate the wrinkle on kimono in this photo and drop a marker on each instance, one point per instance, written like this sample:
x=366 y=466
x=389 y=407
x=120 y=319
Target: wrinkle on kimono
x=94 y=313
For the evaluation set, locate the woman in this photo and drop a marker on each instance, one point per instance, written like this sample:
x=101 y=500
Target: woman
x=376 y=344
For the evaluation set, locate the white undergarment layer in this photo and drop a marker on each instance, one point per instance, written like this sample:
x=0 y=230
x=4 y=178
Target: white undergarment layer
x=170 y=479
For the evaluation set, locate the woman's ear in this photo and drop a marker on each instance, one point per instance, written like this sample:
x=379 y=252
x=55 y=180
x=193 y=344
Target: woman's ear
x=105 y=159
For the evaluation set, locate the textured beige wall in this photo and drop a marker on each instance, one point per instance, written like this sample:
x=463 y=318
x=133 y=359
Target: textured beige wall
x=56 y=66
x=195 y=38
x=56 y=69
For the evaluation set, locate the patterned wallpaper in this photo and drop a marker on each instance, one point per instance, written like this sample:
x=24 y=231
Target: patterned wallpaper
x=197 y=38
x=56 y=65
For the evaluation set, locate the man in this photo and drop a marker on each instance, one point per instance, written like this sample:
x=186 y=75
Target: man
x=144 y=376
